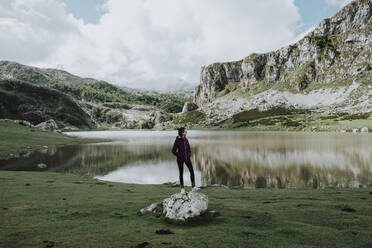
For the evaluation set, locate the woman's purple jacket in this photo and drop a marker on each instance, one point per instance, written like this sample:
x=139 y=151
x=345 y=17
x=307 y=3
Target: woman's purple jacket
x=181 y=149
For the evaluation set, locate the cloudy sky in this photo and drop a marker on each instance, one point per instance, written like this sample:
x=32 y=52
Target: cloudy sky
x=153 y=44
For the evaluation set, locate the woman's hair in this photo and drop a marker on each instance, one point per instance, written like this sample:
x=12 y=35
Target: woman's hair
x=180 y=131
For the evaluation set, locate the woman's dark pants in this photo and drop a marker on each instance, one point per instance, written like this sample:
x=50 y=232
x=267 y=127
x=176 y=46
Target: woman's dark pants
x=180 y=168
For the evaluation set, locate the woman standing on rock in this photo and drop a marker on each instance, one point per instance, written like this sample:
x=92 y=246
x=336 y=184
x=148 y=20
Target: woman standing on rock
x=181 y=149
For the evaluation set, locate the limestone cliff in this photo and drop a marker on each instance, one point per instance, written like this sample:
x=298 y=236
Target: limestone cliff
x=339 y=47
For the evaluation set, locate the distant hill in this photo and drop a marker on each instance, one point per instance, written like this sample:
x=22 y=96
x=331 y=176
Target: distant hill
x=34 y=103
x=100 y=101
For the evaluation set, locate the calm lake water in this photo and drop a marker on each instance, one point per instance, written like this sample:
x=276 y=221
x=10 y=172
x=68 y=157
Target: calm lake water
x=232 y=158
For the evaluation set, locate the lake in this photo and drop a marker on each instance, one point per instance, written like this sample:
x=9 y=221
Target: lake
x=231 y=158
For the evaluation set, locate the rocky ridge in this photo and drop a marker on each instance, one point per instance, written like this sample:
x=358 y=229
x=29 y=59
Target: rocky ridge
x=338 y=49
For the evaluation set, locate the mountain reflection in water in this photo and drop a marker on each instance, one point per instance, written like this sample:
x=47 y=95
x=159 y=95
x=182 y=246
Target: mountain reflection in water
x=232 y=158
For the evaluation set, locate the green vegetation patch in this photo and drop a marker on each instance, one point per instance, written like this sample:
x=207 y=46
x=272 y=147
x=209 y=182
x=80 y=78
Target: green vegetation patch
x=323 y=42
x=255 y=114
x=361 y=116
x=230 y=87
x=191 y=117
x=303 y=76
x=273 y=119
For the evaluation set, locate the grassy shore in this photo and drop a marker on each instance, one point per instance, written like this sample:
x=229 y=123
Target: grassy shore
x=16 y=139
x=45 y=209
x=40 y=209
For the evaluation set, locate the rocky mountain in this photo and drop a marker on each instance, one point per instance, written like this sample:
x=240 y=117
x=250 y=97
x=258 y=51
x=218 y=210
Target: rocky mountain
x=37 y=94
x=329 y=70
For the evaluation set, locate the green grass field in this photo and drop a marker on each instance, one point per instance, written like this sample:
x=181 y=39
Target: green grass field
x=46 y=209
x=62 y=210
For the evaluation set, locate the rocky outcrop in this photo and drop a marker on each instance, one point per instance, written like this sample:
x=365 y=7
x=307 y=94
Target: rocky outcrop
x=49 y=125
x=179 y=207
x=127 y=116
x=189 y=106
x=213 y=78
x=340 y=47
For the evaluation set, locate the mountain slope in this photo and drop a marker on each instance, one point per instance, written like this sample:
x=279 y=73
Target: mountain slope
x=102 y=102
x=329 y=71
x=37 y=104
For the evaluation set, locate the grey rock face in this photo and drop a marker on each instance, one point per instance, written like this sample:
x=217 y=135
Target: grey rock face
x=340 y=47
x=189 y=106
x=213 y=78
x=49 y=125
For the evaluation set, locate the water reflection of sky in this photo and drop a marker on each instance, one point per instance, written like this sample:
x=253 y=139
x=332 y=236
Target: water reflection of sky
x=151 y=173
x=219 y=157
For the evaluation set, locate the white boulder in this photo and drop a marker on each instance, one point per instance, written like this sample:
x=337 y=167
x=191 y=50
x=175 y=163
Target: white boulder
x=183 y=207
x=179 y=207
x=364 y=130
x=42 y=166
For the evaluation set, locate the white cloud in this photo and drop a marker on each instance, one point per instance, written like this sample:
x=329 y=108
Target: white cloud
x=144 y=43
x=339 y=3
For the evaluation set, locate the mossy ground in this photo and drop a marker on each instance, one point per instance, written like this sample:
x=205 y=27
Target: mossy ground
x=38 y=209
x=17 y=139
x=280 y=120
x=191 y=117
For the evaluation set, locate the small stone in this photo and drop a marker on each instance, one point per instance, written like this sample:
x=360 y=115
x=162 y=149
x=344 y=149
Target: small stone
x=214 y=213
x=347 y=209
x=49 y=243
x=364 y=130
x=141 y=245
x=164 y=231
x=42 y=166
x=247 y=216
x=150 y=208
